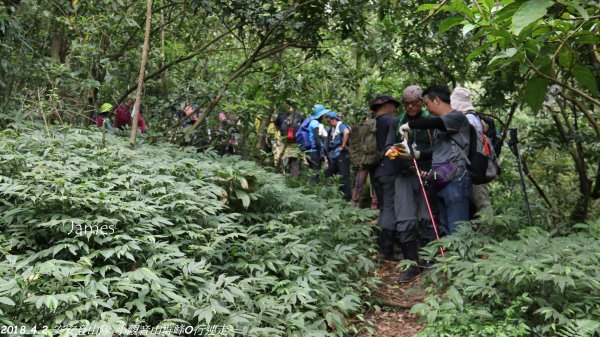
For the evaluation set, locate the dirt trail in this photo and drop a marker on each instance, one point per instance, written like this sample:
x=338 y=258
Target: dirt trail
x=395 y=300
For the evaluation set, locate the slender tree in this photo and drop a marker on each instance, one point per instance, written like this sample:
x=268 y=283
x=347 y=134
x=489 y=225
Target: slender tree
x=138 y=94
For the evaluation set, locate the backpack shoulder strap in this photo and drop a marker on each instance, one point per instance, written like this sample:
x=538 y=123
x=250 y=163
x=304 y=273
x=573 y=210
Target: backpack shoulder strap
x=462 y=150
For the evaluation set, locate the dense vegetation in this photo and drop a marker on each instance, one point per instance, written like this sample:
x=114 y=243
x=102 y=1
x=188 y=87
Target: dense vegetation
x=228 y=241
x=109 y=237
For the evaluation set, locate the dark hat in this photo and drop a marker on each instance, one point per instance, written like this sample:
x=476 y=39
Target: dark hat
x=381 y=100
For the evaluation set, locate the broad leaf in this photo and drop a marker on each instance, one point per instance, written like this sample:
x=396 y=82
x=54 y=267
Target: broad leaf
x=449 y=23
x=585 y=76
x=528 y=13
x=535 y=92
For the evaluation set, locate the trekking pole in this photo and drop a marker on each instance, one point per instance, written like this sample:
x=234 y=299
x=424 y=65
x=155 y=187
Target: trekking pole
x=437 y=235
x=513 y=144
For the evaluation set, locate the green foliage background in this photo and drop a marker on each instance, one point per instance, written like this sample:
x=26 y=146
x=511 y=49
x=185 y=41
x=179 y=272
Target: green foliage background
x=197 y=239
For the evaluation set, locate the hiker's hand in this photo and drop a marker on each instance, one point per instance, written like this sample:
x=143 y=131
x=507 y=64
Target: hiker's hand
x=404 y=129
x=424 y=174
x=397 y=151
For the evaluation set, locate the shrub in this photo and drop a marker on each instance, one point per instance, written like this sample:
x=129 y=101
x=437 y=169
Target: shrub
x=548 y=283
x=162 y=236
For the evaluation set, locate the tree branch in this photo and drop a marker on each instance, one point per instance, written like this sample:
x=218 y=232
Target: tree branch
x=173 y=63
x=585 y=111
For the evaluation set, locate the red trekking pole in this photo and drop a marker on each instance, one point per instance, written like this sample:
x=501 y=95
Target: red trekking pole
x=437 y=235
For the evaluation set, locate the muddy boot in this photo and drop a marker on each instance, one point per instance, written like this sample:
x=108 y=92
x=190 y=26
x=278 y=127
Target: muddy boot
x=427 y=266
x=386 y=244
x=411 y=252
x=410 y=274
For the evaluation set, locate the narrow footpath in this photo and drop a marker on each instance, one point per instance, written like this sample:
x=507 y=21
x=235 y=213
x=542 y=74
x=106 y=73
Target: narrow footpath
x=395 y=300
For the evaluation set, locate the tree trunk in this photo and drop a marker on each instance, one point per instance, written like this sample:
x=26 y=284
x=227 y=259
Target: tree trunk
x=581 y=209
x=164 y=76
x=138 y=94
x=357 y=54
x=261 y=135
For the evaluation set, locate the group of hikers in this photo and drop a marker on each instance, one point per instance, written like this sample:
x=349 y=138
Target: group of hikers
x=430 y=164
x=434 y=162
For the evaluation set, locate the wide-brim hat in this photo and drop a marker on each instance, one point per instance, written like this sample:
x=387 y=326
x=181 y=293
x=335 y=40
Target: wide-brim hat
x=319 y=114
x=381 y=100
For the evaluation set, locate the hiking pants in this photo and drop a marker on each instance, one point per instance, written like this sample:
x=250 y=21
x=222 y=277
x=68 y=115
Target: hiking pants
x=412 y=217
x=454 y=202
x=387 y=215
x=314 y=163
x=341 y=165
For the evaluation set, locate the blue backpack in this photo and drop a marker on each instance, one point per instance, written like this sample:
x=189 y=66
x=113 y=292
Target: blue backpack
x=303 y=135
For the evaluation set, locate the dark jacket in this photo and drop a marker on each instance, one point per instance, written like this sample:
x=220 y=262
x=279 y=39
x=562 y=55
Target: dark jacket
x=385 y=126
x=421 y=138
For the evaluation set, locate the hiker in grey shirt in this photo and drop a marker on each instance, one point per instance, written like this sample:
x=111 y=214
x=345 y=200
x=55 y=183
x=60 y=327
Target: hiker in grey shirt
x=449 y=173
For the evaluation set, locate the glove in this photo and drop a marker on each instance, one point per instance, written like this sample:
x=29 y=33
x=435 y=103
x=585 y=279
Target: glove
x=403 y=129
x=397 y=151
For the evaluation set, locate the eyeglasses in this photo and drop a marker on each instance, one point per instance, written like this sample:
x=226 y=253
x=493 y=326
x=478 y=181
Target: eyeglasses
x=409 y=103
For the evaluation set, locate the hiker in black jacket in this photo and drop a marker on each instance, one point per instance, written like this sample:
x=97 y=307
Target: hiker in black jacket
x=384 y=174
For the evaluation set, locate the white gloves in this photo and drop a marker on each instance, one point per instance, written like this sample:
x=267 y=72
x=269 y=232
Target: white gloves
x=403 y=129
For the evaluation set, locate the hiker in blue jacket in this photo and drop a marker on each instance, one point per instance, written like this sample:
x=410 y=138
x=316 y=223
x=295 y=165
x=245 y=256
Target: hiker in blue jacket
x=316 y=152
x=337 y=152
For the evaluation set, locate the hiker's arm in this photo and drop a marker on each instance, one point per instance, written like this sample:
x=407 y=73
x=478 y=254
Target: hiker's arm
x=428 y=123
x=345 y=138
x=317 y=137
x=391 y=137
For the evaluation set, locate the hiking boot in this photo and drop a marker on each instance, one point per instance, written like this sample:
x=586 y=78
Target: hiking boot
x=427 y=266
x=390 y=258
x=386 y=244
x=410 y=274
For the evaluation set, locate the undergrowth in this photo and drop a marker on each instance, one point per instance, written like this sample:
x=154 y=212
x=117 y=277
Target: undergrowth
x=502 y=278
x=163 y=236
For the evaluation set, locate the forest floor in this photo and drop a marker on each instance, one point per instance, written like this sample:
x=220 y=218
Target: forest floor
x=393 y=319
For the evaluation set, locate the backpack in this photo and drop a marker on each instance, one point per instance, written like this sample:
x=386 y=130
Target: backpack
x=489 y=127
x=302 y=136
x=122 y=116
x=293 y=125
x=363 y=144
x=482 y=160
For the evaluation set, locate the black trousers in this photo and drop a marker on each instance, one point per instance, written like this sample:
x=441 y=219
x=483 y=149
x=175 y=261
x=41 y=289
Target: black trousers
x=314 y=163
x=341 y=166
